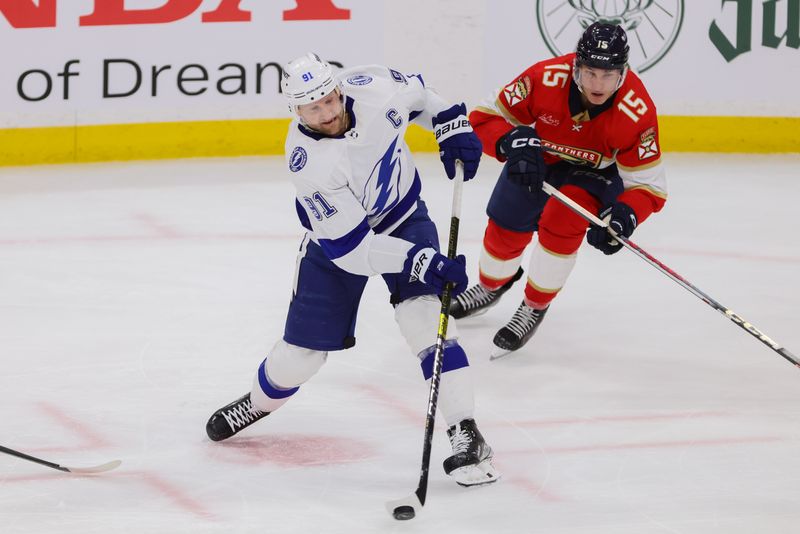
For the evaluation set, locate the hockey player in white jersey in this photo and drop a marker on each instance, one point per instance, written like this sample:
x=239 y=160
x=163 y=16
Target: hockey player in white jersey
x=358 y=196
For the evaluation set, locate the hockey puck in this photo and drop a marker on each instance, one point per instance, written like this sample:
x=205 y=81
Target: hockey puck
x=404 y=513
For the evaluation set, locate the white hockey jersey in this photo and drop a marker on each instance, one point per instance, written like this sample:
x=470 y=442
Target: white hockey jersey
x=354 y=189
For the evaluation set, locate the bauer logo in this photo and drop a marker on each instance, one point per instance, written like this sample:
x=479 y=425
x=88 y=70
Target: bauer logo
x=359 y=79
x=298 y=159
x=652 y=26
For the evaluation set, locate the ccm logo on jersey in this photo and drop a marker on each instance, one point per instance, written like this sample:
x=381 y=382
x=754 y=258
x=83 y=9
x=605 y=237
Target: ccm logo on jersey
x=298 y=159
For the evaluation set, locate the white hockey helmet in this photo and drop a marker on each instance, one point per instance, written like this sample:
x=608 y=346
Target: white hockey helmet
x=307 y=79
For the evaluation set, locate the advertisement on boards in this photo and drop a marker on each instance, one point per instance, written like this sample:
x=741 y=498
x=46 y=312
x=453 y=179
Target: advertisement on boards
x=204 y=64
x=705 y=58
x=105 y=61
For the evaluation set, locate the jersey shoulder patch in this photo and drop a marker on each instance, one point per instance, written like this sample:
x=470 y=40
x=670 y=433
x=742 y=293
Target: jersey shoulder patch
x=648 y=144
x=517 y=91
x=298 y=159
x=359 y=79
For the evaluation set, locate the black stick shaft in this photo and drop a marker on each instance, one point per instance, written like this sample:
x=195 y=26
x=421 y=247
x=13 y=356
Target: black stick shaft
x=441 y=335
x=24 y=456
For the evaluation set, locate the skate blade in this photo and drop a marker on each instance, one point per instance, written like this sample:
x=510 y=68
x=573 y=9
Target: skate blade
x=498 y=353
x=473 y=314
x=476 y=475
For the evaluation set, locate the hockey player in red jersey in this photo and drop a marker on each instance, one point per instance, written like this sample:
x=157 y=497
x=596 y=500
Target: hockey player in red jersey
x=584 y=123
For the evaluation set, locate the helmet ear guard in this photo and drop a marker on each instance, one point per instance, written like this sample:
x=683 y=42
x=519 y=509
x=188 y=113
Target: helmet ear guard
x=308 y=79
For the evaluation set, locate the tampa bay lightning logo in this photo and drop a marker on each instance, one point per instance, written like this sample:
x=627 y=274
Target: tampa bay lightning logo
x=298 y=159
x=381 y=193
x=359 y=79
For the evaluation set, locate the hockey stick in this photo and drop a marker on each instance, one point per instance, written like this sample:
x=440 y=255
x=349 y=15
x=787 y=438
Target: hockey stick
x=93 y=470
x=649 y=258
x=406 y=508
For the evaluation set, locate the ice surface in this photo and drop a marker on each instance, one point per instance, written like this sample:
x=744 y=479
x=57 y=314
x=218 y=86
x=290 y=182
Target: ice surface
x=137 y=298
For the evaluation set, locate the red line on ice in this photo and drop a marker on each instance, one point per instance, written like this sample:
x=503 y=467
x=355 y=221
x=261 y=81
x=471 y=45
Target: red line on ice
x=530 y=487
x=59 y=416
x=411 y=416
x=153 y=223
x=176 y=495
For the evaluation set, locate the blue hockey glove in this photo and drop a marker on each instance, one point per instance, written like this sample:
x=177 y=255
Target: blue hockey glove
x=521 y=148
x=425 y=264
x=457 y=141
x=620 y=218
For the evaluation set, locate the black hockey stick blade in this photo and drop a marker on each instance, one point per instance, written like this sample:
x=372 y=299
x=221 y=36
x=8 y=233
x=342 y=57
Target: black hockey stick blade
x=91 y=470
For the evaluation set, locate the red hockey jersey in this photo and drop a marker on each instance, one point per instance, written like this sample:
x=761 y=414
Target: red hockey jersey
x=624 y=130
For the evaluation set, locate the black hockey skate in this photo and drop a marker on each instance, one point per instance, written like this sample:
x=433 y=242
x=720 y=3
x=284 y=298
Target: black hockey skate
x=471 y=463
x=477 y=299
x=518 y=331
x=232 y=418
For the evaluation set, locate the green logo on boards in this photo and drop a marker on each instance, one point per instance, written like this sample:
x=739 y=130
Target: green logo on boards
x=737 y=39
x=652 y=26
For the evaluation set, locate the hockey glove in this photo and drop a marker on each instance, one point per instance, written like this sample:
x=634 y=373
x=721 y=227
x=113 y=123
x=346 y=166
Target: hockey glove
x=426 y=265
x=457 y=141
x=621 y=218
x=521 y=149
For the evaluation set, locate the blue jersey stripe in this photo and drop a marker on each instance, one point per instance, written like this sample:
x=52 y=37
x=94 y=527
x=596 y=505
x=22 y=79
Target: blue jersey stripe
x=336 y=248
x=302 y=215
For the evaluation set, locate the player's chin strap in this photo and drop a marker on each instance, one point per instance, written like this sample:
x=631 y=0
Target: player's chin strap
x=406 y=508
x=649 y=258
